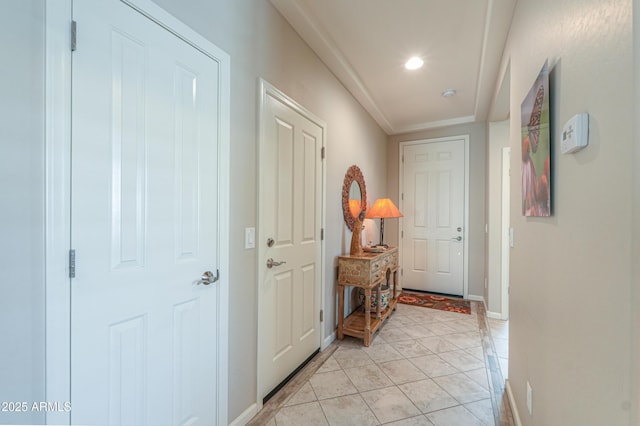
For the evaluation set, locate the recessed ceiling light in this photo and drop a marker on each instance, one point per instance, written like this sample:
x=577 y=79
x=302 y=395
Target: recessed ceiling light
x=414 y=63
x=448 y=93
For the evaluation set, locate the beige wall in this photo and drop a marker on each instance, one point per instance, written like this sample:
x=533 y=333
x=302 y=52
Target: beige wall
x=477 y=155
x=22 y=238
x=263 y=45
x=635 y=247
x=571 y=274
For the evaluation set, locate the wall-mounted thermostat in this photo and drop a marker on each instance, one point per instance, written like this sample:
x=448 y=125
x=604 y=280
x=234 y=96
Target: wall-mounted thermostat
x=575 y=134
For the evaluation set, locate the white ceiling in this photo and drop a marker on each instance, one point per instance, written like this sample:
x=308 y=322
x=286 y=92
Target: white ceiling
x=365 y=43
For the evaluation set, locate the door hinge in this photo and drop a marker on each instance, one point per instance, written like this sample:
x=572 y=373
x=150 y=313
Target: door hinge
x=401 y=234
x=401 y=272
x=403 y=158
x=402 y=195
x=321 y=234
x=321 y=315
x=73 y=35
x=72 y=263
x=322 y=153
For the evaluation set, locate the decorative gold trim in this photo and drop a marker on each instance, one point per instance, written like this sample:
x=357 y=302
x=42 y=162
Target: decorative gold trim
x=353 y=174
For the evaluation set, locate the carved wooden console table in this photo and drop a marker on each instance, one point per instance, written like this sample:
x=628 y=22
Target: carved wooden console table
x=367 y=271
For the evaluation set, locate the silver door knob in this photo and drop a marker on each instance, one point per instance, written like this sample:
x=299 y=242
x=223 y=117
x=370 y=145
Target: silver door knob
x=208 y=278
x=458 y=238
x=271 y=263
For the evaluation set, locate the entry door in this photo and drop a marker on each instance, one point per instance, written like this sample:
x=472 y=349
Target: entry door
x=144 y=345
x=433 y=208
x=290 y=209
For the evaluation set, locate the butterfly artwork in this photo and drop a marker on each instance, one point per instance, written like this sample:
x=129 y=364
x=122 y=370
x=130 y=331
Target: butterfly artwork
x=536 y=148
x=534 y=120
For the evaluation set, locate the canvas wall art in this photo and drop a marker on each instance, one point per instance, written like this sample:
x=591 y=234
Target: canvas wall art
x=536 y=148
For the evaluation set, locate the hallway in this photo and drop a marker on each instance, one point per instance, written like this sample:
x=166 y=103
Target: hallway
x=424 y=367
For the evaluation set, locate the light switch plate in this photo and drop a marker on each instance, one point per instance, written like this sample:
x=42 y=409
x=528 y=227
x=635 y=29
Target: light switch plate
x=249 y=238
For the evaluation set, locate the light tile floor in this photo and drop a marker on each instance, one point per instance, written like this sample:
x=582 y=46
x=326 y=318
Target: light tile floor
x=500 y=334
x=424 y=367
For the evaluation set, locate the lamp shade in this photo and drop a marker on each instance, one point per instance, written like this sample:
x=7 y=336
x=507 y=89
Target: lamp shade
x=383 y=208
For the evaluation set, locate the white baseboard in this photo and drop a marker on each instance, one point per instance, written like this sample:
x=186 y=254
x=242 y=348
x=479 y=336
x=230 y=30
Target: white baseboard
x=512 y=402
x=475 y=298
x=489 y=314
x=246 y=415
x=328 y=340
x=494 y=315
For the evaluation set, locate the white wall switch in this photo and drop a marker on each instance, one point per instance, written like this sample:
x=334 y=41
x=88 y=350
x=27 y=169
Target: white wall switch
x=575 y=134
x=512 y=237
x=249 y=238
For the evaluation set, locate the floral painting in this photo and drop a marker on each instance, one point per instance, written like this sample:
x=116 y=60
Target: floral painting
x=536 y=148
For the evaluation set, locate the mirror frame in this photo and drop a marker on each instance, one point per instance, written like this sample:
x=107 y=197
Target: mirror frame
x=354 y=174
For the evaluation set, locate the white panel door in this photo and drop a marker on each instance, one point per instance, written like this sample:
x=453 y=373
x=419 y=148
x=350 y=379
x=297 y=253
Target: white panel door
x=290 y=208
x=144 y=346
x=433 y=208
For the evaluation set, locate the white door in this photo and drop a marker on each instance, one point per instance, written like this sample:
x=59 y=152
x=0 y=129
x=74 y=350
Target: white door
x=290 y=216
x=433 y=179
x=144 y=345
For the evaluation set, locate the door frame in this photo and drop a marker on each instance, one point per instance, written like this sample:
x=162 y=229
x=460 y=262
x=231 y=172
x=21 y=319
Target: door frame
x=58 y=66
x=505 y=220
x=465 y=138
x=267 y=89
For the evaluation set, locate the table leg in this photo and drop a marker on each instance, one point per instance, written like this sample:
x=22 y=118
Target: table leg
x=379 y=299
x=367 y=316
x=340 y=311
x=394 y=278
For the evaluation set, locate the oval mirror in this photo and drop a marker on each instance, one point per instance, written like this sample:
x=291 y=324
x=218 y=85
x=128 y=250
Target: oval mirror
x=354 y=195
x=355 y=199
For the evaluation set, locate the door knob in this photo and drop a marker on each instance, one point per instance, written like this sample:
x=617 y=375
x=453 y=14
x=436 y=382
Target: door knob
x=458 y=238
x=271 y=263
x=208 y=278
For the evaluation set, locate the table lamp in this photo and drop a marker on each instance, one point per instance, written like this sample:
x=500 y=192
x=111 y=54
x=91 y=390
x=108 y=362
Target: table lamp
x=383 y=209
